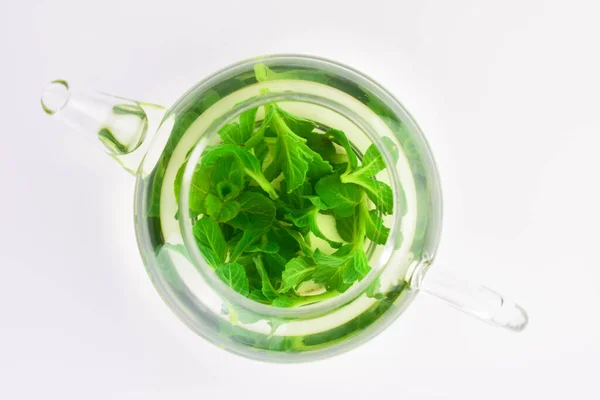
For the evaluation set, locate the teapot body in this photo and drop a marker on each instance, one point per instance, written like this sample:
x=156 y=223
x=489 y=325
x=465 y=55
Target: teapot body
x=331 y=94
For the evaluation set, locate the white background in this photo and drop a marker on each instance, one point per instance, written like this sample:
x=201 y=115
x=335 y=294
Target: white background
x=508 y=94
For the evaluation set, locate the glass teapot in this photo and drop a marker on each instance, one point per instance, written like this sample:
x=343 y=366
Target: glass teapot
x=163 y=147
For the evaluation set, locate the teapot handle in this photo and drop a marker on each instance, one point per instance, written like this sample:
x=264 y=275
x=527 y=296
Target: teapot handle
x=476 y=300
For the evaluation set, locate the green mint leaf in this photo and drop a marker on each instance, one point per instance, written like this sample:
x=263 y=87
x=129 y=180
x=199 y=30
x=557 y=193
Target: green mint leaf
x=275 y=264
x=220 y=211
x=374 y=290
x=267 y=288
x=357 y=268
x=375 y=229
x=266 y=244
x=291 y=301
x=341 y=197
x=290 y=160
x=330 y=268
x=247 y=262
x=300 y=240
x=199 y=188
x=317 y=202
x=288 y=246
x=263 y=74
x=261 y=150
x=251 y=164
x=341 y=269
x=248 y=237
x=378 y=192
x=257 y=212
x=259 y=135
x=300 y=126
x=296 y=271
x=348 y=227
x=381 y=195
x=213 y=205
x=247 y=120
x=227 y=190
x=323 y=145
x=294 y=156
x=285 y=302
x=372 y=163
x=234 y=238
x=340 y=138
x=210 y=241
x=228 y=177
x=227 y=230
x=317 y=168
x=257 y=295
x=309 y=219
x=391 y=146
x=296 y=198
x=234 y=275
x=232 y=134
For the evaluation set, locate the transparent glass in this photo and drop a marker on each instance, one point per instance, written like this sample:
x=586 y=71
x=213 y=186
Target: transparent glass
x=334 y=95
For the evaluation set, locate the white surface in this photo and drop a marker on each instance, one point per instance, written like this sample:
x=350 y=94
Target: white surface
x=507 y=93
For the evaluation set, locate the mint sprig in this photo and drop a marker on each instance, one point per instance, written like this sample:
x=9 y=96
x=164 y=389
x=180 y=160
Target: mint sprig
x=259 y=196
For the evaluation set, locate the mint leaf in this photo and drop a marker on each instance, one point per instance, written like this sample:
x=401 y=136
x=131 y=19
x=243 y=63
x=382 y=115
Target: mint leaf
x=256 y=212
x=227 y=177
x=378 y=192
x=300 y=126
x=375 y=229
x=288 y=246
x=275 y=264
x=309 y=219
x=232 y=134
x=257 y=295
x=330 y=268
x=199 y=188
x=317 y=202
x=357 y=268
x=391 y=146
x=248 y=237
x=295 y=157
x=341 y=269
x=263 y=74
x=266 y=244
x=247 y=120
x=285 y=302
x=252 y=166
x=220 y=211
x=372 y=163
x=295 y=199
x=340 y=138
x=267 y=288
x=341 y=197
x=234 y=275
x=261 y=150
x=348 y=227
x=257 y=138
x=210 y=241
x=296 y=271
x=300 y=240
x=323 y=145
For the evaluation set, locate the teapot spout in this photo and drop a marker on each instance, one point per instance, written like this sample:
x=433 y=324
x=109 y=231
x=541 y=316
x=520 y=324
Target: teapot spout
x=122 y=126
